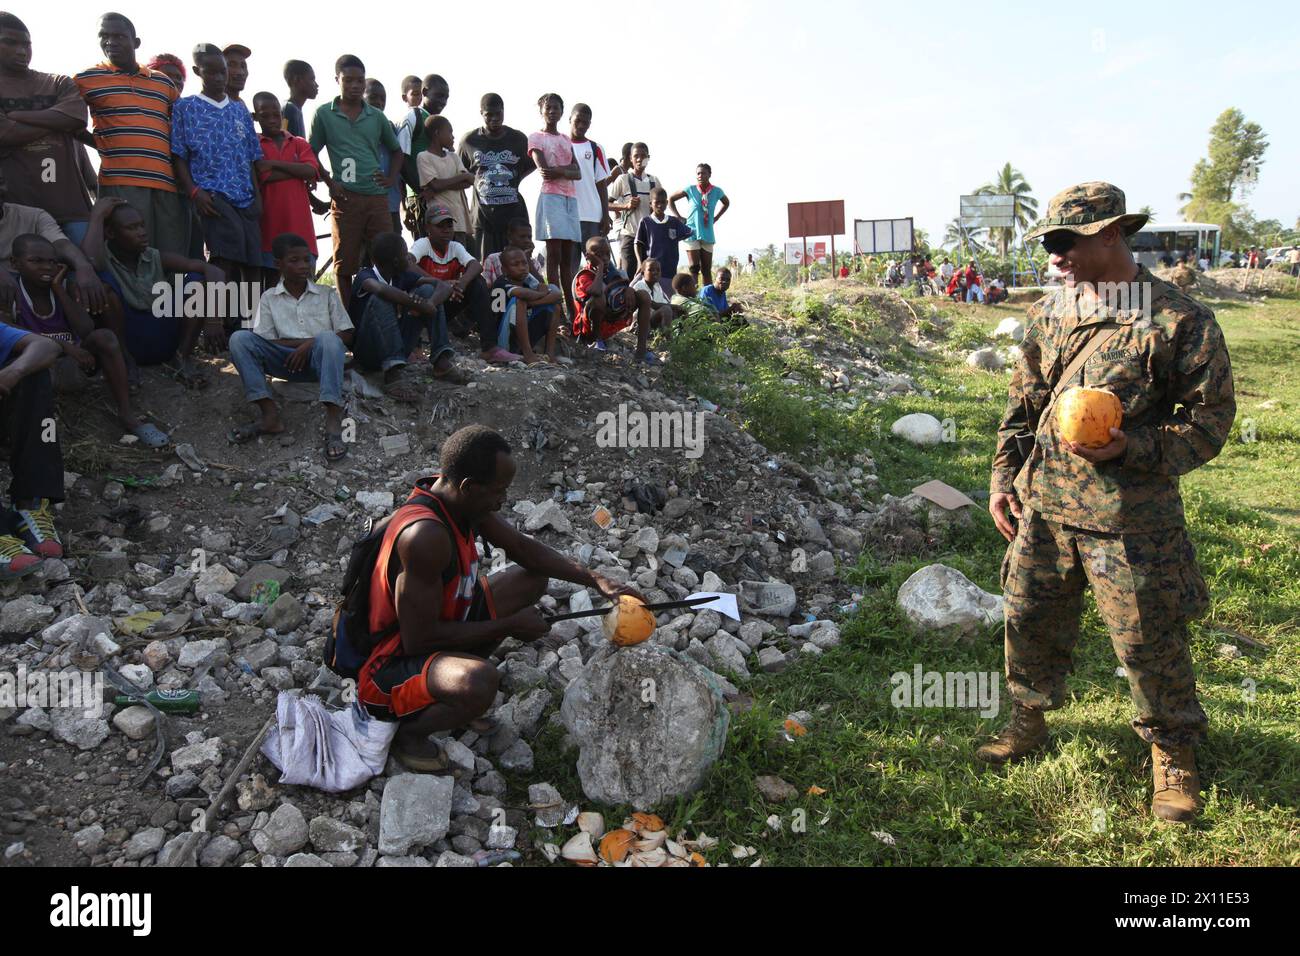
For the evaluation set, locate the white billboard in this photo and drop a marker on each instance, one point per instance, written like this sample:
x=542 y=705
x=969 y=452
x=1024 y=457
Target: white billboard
x=876 y=236
x=988 y=212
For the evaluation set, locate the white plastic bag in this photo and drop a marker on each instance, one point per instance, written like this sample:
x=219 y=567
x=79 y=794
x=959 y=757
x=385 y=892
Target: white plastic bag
x=331 y=750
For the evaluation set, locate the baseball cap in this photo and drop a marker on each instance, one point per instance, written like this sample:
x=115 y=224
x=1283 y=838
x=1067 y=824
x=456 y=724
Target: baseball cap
x=438 y=212
x=238 y=49
x=206 y=49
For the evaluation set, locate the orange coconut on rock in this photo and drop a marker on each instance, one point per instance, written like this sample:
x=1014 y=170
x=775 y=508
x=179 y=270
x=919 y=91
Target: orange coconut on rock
x=629 y=621
x=1086 y=416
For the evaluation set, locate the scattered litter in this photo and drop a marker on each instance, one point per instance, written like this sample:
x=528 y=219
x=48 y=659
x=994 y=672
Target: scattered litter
x=131 y=481
x=266 y=592
x=138 y=623
x=943 y=495
x=321 y=514
x=187 y=454
x=724 y=604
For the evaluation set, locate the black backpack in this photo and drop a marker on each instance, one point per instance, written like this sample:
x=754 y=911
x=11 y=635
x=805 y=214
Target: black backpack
x=350 y=642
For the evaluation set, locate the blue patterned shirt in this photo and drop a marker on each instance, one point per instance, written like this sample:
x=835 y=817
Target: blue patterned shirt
x=219 y=143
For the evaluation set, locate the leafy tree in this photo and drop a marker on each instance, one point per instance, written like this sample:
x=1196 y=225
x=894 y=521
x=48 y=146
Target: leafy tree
x=1236 y=147
x=954 y=239
x=921 y=242
x=1011 y=182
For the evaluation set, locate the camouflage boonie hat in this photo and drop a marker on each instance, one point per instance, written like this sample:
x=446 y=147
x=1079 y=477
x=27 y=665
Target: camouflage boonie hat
x=1087 y=209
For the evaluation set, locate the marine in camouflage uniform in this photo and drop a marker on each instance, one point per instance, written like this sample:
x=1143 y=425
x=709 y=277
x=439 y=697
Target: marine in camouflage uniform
x=1115 y=524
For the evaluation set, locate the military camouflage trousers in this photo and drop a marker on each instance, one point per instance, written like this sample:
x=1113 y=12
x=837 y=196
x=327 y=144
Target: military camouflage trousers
x=1147 y=587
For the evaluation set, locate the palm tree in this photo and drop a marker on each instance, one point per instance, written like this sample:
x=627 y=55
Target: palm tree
x=1147 y=211
x=1011 y=182
x=953 y=238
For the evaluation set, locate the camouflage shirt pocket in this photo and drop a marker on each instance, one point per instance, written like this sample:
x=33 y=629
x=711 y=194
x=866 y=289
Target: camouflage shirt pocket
x=1115 y=367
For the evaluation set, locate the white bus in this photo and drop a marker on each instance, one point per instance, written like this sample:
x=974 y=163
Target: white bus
x=1158 y=244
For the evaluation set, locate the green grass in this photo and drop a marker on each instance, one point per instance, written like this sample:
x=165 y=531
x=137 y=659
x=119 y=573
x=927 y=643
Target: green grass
x=910 y=773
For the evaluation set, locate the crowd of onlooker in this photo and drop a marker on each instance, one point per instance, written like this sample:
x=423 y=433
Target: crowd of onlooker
x=194 y=233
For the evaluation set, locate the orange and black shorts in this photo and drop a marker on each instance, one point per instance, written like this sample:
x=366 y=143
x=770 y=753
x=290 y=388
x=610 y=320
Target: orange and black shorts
x=393 y=685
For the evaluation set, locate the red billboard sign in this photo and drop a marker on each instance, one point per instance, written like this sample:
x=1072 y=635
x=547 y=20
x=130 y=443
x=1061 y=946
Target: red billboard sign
x=816 y=218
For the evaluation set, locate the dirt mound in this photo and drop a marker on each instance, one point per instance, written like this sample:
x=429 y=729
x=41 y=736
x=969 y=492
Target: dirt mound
x=1237 y=284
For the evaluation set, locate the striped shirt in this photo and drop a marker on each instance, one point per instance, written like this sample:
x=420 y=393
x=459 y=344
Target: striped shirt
x=132 y=114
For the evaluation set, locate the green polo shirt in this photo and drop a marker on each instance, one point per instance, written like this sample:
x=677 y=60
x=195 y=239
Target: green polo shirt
x=357 y=148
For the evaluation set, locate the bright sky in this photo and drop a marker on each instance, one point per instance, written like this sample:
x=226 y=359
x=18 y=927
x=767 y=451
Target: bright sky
x=896 y=109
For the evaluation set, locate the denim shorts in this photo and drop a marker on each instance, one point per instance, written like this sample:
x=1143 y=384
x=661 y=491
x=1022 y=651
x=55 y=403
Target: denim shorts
x=557 y=218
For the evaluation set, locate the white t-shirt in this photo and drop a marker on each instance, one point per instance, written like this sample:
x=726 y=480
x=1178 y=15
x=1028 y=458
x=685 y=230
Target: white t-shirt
x=447 y=267
x=594 y=167
x=656 y=292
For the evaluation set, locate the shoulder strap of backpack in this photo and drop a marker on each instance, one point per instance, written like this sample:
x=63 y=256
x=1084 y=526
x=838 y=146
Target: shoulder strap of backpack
x=1104 y=332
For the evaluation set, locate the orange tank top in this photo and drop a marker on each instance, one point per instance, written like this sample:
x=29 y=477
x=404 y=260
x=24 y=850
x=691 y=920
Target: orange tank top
x=457 y=592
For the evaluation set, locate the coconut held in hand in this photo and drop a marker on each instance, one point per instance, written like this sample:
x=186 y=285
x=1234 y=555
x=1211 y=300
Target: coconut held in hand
x=1086 y=416
x=628 y=622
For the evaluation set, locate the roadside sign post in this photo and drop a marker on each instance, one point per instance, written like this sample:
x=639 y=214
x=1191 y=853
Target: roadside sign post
x=816 y=219
x=883 y=236
x=992 y=212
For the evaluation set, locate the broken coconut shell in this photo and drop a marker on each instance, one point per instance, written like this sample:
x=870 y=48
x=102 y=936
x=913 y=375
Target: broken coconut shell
x=651 y=840
x=616 y=845
x=628 y=622
x=650 y=858
x=593 y=823
x=644 y=822
x=579 y=849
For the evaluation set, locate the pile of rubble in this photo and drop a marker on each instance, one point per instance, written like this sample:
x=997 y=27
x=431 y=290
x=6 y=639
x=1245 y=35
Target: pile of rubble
x=218 y=574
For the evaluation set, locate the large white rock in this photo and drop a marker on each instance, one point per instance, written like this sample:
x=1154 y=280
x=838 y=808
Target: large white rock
x=987 y=359
x=70 y=725
x=919 y=428
x=415 y=812
x=939 y=598
x=79 y=629
x=25 y=614
x=283 y=832
x=1012 y=329
x=215 y=579
x=549 y=514
x=649 y=723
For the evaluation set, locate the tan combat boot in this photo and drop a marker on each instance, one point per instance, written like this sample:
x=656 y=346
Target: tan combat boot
x=1025 y=733
x=1177 y=795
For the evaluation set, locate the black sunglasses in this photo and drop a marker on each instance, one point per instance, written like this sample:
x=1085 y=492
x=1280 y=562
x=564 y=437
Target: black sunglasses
x=1060 y=241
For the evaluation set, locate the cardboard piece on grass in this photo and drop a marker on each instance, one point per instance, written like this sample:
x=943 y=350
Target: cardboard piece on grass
x=943 y=495
x=724 y=604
